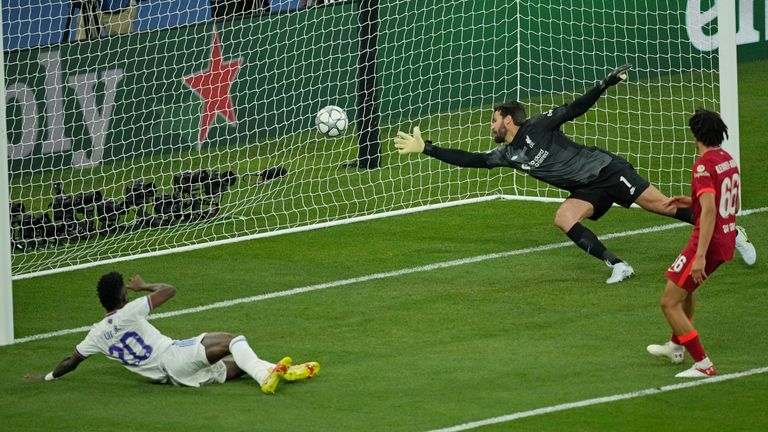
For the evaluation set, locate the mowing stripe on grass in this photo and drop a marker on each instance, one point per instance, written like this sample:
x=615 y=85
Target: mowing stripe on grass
x=375 y=276
x=600 y=400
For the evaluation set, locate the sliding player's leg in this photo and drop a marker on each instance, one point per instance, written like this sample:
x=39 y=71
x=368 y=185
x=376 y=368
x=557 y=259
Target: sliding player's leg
x=265 y=373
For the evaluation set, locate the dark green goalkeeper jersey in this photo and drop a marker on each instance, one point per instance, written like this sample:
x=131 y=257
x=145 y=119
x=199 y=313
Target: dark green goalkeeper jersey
x=540 y=149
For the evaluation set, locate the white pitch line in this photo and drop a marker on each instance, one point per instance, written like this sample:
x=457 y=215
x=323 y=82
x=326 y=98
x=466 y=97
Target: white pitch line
x=375 y=276
x=598 y=401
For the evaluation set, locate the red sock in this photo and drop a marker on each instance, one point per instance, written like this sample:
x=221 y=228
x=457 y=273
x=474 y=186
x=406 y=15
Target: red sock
x=674 y=338
x=693 y=345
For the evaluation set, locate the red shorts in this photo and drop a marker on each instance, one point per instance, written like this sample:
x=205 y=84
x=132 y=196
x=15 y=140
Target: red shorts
x=679 y=271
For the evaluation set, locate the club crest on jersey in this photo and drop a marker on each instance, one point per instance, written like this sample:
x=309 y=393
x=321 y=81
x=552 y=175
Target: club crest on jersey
x=529 y=141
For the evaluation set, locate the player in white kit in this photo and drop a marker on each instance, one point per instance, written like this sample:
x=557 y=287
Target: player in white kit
x=125 y=335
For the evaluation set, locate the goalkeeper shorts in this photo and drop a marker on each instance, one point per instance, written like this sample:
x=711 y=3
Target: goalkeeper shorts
x=618 y=182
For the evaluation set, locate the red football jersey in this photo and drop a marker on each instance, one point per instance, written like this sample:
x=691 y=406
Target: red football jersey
x=716 y=171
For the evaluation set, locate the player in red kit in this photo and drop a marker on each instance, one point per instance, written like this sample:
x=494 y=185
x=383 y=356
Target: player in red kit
x=714 y=199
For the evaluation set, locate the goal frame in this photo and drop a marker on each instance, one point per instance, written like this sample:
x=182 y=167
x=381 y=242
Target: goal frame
x=728 y=83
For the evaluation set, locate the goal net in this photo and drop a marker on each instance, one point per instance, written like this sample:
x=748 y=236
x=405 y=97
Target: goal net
x=146 y=127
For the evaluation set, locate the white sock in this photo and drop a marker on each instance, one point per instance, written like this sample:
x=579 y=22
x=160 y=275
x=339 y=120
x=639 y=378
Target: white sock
x=704 y=363
x=247 y=360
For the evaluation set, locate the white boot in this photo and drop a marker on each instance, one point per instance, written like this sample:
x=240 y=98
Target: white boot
x=620 y=272
x=674 y=352
x=701 y=369
x=745 y=247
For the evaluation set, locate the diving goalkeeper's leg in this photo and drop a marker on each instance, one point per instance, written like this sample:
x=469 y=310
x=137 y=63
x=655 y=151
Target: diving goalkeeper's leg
x=745 y=247
x=654 y=201
x=568 y=219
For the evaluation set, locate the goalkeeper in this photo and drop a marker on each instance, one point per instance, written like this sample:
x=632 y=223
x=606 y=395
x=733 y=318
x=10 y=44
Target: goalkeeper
x=595 y=178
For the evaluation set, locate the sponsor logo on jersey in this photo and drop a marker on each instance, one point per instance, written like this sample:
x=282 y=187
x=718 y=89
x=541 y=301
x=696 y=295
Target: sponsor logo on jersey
x=539 y=159
x=701 y=171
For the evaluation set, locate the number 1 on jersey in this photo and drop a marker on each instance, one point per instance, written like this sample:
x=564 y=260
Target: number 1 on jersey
x=629 y=185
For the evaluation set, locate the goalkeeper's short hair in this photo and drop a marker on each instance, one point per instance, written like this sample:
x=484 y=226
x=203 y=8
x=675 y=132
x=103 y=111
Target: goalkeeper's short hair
x=514 y=109
x=708 y=127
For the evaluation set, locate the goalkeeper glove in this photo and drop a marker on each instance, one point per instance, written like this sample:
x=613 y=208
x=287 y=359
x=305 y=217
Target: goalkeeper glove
x=409 y=143
x=617 y=75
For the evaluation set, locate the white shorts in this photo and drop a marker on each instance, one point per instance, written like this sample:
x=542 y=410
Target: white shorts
x=185 y=364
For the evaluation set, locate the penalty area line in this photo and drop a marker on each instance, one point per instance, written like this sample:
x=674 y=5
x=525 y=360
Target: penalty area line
x=600 y=400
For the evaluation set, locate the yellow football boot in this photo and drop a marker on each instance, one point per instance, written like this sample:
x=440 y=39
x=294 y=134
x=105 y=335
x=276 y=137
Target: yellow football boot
x=302 y=371
x=273 y=378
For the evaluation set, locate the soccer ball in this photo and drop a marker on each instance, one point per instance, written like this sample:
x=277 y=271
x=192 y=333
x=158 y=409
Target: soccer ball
x=331 y=121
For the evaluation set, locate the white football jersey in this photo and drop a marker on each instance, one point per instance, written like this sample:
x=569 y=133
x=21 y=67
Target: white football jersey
x=126 y=336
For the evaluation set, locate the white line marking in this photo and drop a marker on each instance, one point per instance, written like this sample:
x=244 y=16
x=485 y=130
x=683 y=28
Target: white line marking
x=375 y=276
x=600 y=400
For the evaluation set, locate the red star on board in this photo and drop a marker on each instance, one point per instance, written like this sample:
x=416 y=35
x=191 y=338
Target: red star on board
x=213 y=86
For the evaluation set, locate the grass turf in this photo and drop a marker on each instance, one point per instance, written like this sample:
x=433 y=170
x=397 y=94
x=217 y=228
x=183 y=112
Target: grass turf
x=425 y=350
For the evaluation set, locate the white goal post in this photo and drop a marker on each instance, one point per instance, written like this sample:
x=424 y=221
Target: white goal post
x=136 y=128
x=729 y=82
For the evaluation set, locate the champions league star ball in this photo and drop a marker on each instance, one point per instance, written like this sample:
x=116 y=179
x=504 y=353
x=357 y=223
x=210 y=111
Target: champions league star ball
x=331 y=121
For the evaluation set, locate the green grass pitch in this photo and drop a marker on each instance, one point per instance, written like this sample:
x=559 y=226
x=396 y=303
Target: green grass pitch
x=425 y=349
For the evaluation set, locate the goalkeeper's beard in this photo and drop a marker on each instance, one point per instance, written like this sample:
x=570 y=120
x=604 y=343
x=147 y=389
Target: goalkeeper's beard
x=501 y=135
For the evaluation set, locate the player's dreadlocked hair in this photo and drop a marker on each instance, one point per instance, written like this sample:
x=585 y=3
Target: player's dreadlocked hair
x=109 y=289
x=514 y=109
x=708 y=127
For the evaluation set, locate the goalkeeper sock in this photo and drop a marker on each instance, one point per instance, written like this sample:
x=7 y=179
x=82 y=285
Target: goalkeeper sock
x=685 y=215
x=247 y=360
x=587 y=240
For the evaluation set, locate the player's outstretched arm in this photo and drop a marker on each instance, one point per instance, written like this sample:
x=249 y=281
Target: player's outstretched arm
x=617 y=75
x=160 y=292
x=406 y=143
x=66 y=366
x=581 y=105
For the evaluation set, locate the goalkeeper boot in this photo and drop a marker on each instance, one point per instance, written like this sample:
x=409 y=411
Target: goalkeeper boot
x=702 y=369
x=273 y=377
x=302 y=371
x=621 y=271
x=745 y=247
x=674 y=352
